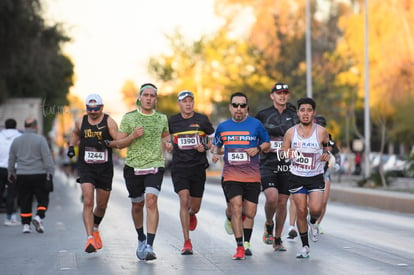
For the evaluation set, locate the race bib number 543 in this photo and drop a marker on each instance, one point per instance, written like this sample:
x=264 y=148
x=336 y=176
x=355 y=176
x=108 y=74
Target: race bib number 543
x=237 y=157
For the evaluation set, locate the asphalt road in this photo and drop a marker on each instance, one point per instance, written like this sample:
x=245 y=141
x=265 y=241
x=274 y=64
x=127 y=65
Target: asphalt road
x=357 y=240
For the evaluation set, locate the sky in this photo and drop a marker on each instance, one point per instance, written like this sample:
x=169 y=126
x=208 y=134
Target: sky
x=113 y=40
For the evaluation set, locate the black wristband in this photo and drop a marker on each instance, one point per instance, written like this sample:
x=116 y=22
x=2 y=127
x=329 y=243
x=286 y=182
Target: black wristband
x=259 y=148
x=205 y=147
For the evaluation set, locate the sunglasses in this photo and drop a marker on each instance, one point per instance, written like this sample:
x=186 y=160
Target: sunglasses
x=281 y=86
x=241 y=105
x=96 y=108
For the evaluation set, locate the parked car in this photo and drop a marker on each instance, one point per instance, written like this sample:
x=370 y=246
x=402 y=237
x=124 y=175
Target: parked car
x=375 y=158
x=409 y=168
x=395 y=165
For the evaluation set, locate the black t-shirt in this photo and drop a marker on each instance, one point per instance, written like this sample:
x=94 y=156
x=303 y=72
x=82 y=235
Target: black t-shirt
x=186 y=133
x=276 y=125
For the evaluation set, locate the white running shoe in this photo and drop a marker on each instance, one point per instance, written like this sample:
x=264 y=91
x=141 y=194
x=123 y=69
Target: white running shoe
x=149 y=253
x=26 y=228
x=140 y=249
x=38 y=224
x=303 y=253
x=314 y=232
x=11 y=222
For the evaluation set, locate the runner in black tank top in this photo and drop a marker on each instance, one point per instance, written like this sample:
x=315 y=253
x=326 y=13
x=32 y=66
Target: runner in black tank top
x=92 y=132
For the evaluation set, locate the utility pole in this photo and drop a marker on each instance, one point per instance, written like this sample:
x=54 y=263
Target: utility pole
x=367 y=123
x=308 y=51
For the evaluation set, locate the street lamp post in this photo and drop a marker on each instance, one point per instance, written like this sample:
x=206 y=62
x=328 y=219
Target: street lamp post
x=308 y=51
x=367 y=130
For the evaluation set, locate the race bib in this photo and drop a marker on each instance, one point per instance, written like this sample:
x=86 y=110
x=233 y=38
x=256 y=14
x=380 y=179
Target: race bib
x=95 y=156
x=187 y=142
x=276 y=144
x=237 y=157
x=140 y=172
x=305 y=161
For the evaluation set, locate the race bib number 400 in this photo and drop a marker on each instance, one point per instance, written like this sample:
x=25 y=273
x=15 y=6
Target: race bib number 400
x=187 y=142
x=237 y=157
x=305 y=160
x=93 y=155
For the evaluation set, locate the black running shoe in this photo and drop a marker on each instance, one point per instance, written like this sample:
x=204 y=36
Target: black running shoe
x=292 y=234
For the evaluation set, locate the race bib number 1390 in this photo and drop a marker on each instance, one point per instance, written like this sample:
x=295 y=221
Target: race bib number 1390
x=186 y=142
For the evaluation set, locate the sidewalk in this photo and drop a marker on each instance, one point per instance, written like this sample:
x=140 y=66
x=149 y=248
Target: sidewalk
x=347 y=192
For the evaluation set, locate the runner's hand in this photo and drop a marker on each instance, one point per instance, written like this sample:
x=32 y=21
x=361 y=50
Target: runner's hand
x=71 y=152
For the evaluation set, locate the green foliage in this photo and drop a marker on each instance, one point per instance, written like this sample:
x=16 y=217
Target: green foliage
x=402 y=121
x=32 y=64
x=274 y=51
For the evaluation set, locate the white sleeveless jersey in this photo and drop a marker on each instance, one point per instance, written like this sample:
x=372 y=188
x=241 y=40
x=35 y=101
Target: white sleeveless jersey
x=308 y=151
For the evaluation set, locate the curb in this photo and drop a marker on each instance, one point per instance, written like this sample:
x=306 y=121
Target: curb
x=358 y=196
x=381 y=199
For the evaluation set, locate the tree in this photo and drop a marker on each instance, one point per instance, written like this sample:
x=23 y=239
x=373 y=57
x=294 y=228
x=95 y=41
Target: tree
x=31 y=62
x=391 y=55
x=213 y=68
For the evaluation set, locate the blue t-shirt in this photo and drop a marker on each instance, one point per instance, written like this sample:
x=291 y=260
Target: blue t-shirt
x=236 y=138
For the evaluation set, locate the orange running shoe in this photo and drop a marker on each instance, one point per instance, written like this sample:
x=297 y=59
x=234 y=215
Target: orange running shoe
x=240 y=253
x=97 y=238
x=193 y=222
x=188 y=248
x=90 y=245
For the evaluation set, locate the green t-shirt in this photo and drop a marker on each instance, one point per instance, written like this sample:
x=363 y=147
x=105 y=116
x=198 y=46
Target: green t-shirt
x=145 y=151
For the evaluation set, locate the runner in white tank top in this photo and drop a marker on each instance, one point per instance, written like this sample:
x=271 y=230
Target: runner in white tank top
x=308 y=151
x=306 y=144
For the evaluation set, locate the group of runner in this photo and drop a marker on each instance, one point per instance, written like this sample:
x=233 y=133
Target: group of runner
x=281 y=152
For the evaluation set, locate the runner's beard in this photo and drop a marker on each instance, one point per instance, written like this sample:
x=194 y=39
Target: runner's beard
x=238 y=117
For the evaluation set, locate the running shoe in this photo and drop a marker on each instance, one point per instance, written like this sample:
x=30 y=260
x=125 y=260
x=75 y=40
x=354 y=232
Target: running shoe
x=90 y=245
x=26 y=228
x=227 y=226
x=267 y=238
x=279 y=247
x=97 y=238
x=247 y=250
x=303 y=253
x=188 y=248
x=314 y=232
x=140 y=249
x=240 y=253
x=292 y=234
x=149 y=253
x=320 y=229
x=38 y=224
x=193 y=222
x=11 y=222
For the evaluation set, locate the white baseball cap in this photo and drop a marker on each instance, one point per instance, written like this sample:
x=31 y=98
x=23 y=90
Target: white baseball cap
x=184 y=94
x=94 y=97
